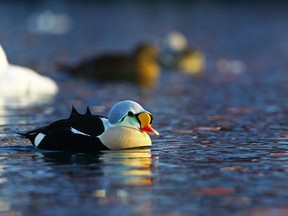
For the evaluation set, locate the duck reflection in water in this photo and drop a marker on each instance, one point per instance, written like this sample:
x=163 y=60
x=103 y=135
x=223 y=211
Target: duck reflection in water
x=140 y=67
x=136 y=165
x=130 y=167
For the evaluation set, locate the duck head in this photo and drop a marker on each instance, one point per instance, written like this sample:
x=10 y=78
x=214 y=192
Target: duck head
x=146 y=67
x=130 y=114
x=146 y=51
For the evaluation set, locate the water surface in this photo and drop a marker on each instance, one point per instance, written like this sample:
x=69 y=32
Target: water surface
x=223 y=138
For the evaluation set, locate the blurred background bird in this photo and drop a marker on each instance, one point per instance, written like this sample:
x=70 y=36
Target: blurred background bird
x=191 y=61
x=17 y=81
x=139 y=67
x=177 y=54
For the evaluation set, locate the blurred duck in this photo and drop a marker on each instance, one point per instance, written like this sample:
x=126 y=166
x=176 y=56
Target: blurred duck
x=17 y=81
x=139 y=67
x=191 y=61
x=175 y=53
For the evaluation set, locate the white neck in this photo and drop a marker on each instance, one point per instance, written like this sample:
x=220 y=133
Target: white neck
x=119 y=137
x=3 y=60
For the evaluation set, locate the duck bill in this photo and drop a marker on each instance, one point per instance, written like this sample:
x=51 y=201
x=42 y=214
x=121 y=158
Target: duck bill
x=149 y=129
x=145 y=120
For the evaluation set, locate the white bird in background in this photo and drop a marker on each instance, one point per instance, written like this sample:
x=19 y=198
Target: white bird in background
x=17 y=81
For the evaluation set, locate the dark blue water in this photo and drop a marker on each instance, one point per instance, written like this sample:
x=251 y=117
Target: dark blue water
x=222 y=148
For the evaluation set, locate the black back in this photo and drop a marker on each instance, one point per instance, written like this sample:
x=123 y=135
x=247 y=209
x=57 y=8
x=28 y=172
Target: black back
x=59 y=135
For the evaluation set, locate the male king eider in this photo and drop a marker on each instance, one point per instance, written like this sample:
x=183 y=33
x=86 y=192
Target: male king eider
x=127 y=126
x=17 y=81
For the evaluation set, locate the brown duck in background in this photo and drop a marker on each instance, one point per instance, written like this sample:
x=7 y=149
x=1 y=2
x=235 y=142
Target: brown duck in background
x=139 y=67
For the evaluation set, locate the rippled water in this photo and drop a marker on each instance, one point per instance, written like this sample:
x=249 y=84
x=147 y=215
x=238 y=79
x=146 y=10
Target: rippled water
x=223 y=138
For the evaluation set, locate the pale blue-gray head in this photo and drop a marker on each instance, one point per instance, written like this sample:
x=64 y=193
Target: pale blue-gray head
x=128 y=113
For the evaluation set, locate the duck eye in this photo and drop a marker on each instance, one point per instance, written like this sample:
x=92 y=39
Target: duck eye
x=151 y=120
x=130 y=113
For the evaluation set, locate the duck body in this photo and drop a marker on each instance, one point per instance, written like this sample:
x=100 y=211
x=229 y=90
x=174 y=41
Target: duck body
x=104 y=68
x=21 y=81
x=88 y=132
x=140 y=67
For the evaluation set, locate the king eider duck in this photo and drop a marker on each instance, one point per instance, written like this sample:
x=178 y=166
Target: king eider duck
x=17 y=81
x=127 y=126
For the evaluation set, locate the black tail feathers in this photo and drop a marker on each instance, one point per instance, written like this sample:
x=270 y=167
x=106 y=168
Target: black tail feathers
x=25 y=135
x=29 y=135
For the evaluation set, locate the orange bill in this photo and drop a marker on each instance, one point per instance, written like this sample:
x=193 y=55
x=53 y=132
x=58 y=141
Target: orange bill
x=145 y=120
